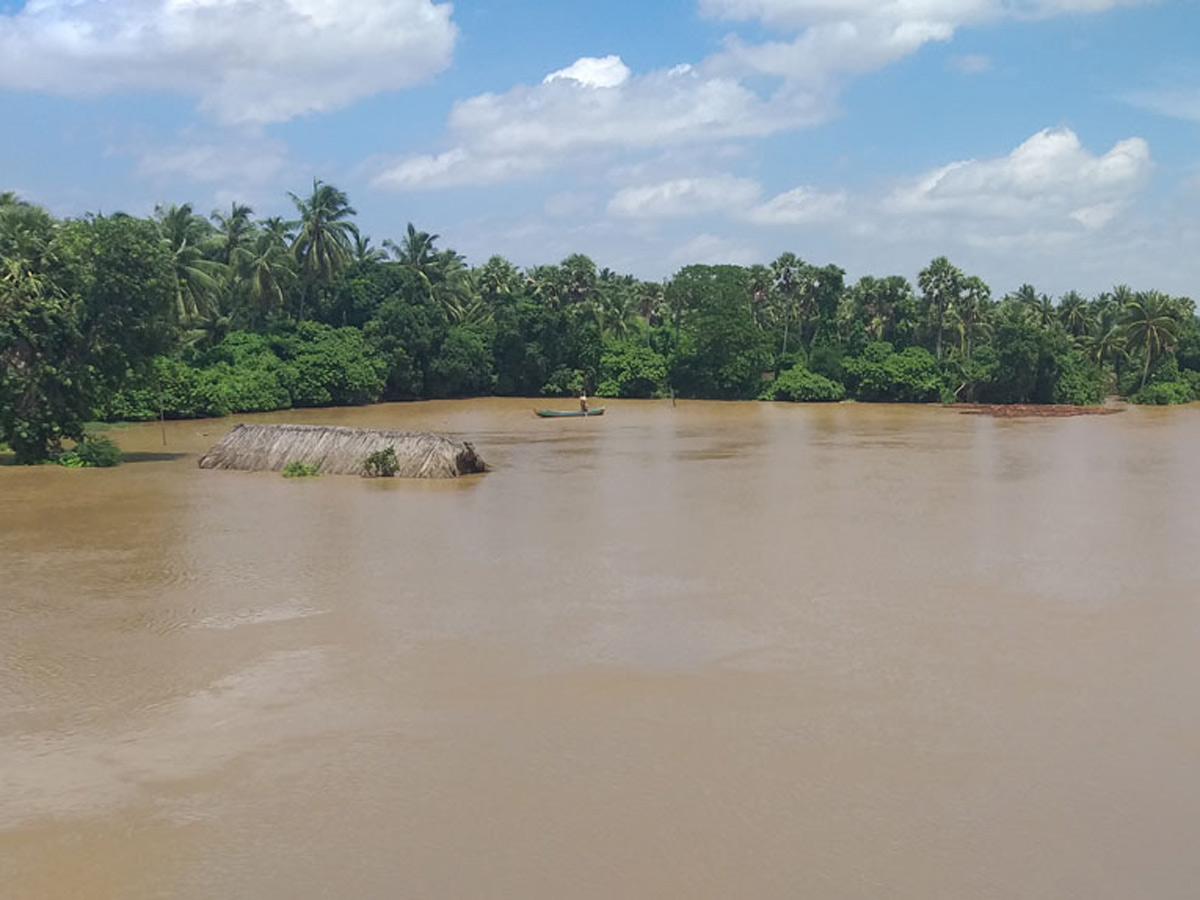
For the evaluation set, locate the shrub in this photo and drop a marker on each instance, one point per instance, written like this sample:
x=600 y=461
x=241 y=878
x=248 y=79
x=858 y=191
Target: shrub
x=629 y=369
x=802 y=386
x=381 y=464
x=881 y=374
x=1191 y=378
x=1080 y=381
x=1164 y=393
x=564 y=383
x=463 y=365
x=297 y=469
x=93 y=452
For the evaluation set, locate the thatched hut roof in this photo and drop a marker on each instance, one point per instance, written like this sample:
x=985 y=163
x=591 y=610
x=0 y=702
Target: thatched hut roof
x=337 y=450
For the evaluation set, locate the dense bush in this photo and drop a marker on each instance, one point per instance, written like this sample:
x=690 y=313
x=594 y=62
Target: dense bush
x=463 y=365
x=94 y=451
x=563 y=383
x=381 y=463
x=631 y=369
x=1165 y=393
x=802 y=386
x=1079 y=381
x=332 y=366
x=881 y=374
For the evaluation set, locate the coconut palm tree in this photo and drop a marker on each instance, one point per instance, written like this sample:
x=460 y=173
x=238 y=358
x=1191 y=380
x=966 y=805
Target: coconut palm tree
x=970 y=313
x=324 y=242
x=418 y=253
x=1075 y=314
x=269 y=269
x=1151 y=325
x=198 y=279
x=363 y=252
x=234 y=231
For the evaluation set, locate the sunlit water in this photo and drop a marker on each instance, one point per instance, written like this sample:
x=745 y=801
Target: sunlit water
x=712 y=651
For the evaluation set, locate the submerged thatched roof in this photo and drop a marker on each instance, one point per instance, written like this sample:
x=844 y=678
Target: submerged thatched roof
x=336 y=450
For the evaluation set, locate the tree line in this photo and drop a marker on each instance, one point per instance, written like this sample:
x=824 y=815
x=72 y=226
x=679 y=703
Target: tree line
x=181 y=315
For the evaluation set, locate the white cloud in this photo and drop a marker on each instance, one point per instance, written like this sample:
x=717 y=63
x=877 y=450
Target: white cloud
x=856 y=36
x=246 y=60
x=708 y=249
x=569 y=118
x=459 y=167
x=745 y=91
x=606 y=72
x=662 y=108
x=243 y=162
x=800 y=206
x=1177 y=102
x=1049 y=177
x=794 y=14
x=569 y=205
x=684 y=197
x=969 y=64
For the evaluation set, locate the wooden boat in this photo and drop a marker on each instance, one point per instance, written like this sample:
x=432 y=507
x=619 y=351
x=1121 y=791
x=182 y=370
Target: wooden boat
x=568 y=413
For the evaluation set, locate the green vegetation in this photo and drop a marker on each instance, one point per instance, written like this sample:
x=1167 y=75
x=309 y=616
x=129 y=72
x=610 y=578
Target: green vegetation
x=122 y=318
x=297 y=469
x=381 y=464
x=92 y=452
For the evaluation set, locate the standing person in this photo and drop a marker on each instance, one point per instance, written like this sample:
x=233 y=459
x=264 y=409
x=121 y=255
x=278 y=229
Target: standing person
x=583 y=404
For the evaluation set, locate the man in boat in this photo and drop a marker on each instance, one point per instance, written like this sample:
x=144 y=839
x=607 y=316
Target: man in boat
x=583 y=405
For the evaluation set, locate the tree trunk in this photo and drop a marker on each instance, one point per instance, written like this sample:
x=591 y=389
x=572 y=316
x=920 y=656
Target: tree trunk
x=937 y=339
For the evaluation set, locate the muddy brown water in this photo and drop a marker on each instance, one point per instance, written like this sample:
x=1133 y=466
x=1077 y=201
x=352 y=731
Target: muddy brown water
x=713 y=651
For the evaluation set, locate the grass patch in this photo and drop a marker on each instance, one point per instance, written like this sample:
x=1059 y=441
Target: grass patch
x=297 y=469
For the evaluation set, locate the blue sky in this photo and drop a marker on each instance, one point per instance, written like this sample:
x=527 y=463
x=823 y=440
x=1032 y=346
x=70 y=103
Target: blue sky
x=1051 y=141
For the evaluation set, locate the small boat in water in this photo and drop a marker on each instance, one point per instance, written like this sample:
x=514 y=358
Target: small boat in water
x=568 y=413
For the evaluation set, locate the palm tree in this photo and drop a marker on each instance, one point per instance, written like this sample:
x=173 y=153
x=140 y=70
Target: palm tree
x=1075 y=314
x=496 y=278
x=233 y=232
x=761 y=281
x=417 y=253
x=619 y=306
x=970 y=312
x=1151 y=324
x=197 y=278
x=362 y=252
x=787 y=270
x=323 y=245
x=1105 y=345
x=941 y=283
x=269 y=268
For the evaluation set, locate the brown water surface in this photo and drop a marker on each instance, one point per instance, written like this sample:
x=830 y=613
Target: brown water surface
x=713 y=651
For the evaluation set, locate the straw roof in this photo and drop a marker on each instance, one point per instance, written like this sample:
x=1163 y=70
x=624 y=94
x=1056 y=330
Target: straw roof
x=337 y=450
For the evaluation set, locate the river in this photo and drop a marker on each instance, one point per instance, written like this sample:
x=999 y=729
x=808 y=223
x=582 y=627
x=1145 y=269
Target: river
x=712 y=651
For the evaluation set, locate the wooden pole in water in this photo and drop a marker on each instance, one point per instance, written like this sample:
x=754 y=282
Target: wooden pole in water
x=162 y=418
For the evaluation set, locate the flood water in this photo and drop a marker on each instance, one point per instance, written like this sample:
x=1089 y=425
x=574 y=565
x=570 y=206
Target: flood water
x=712 y=651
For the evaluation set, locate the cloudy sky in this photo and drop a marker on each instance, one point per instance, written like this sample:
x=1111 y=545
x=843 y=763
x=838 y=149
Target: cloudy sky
x=1052 y=141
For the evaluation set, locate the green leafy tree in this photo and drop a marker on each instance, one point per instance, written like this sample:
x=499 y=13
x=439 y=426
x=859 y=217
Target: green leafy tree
x=91 y=304
x=727 y=352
